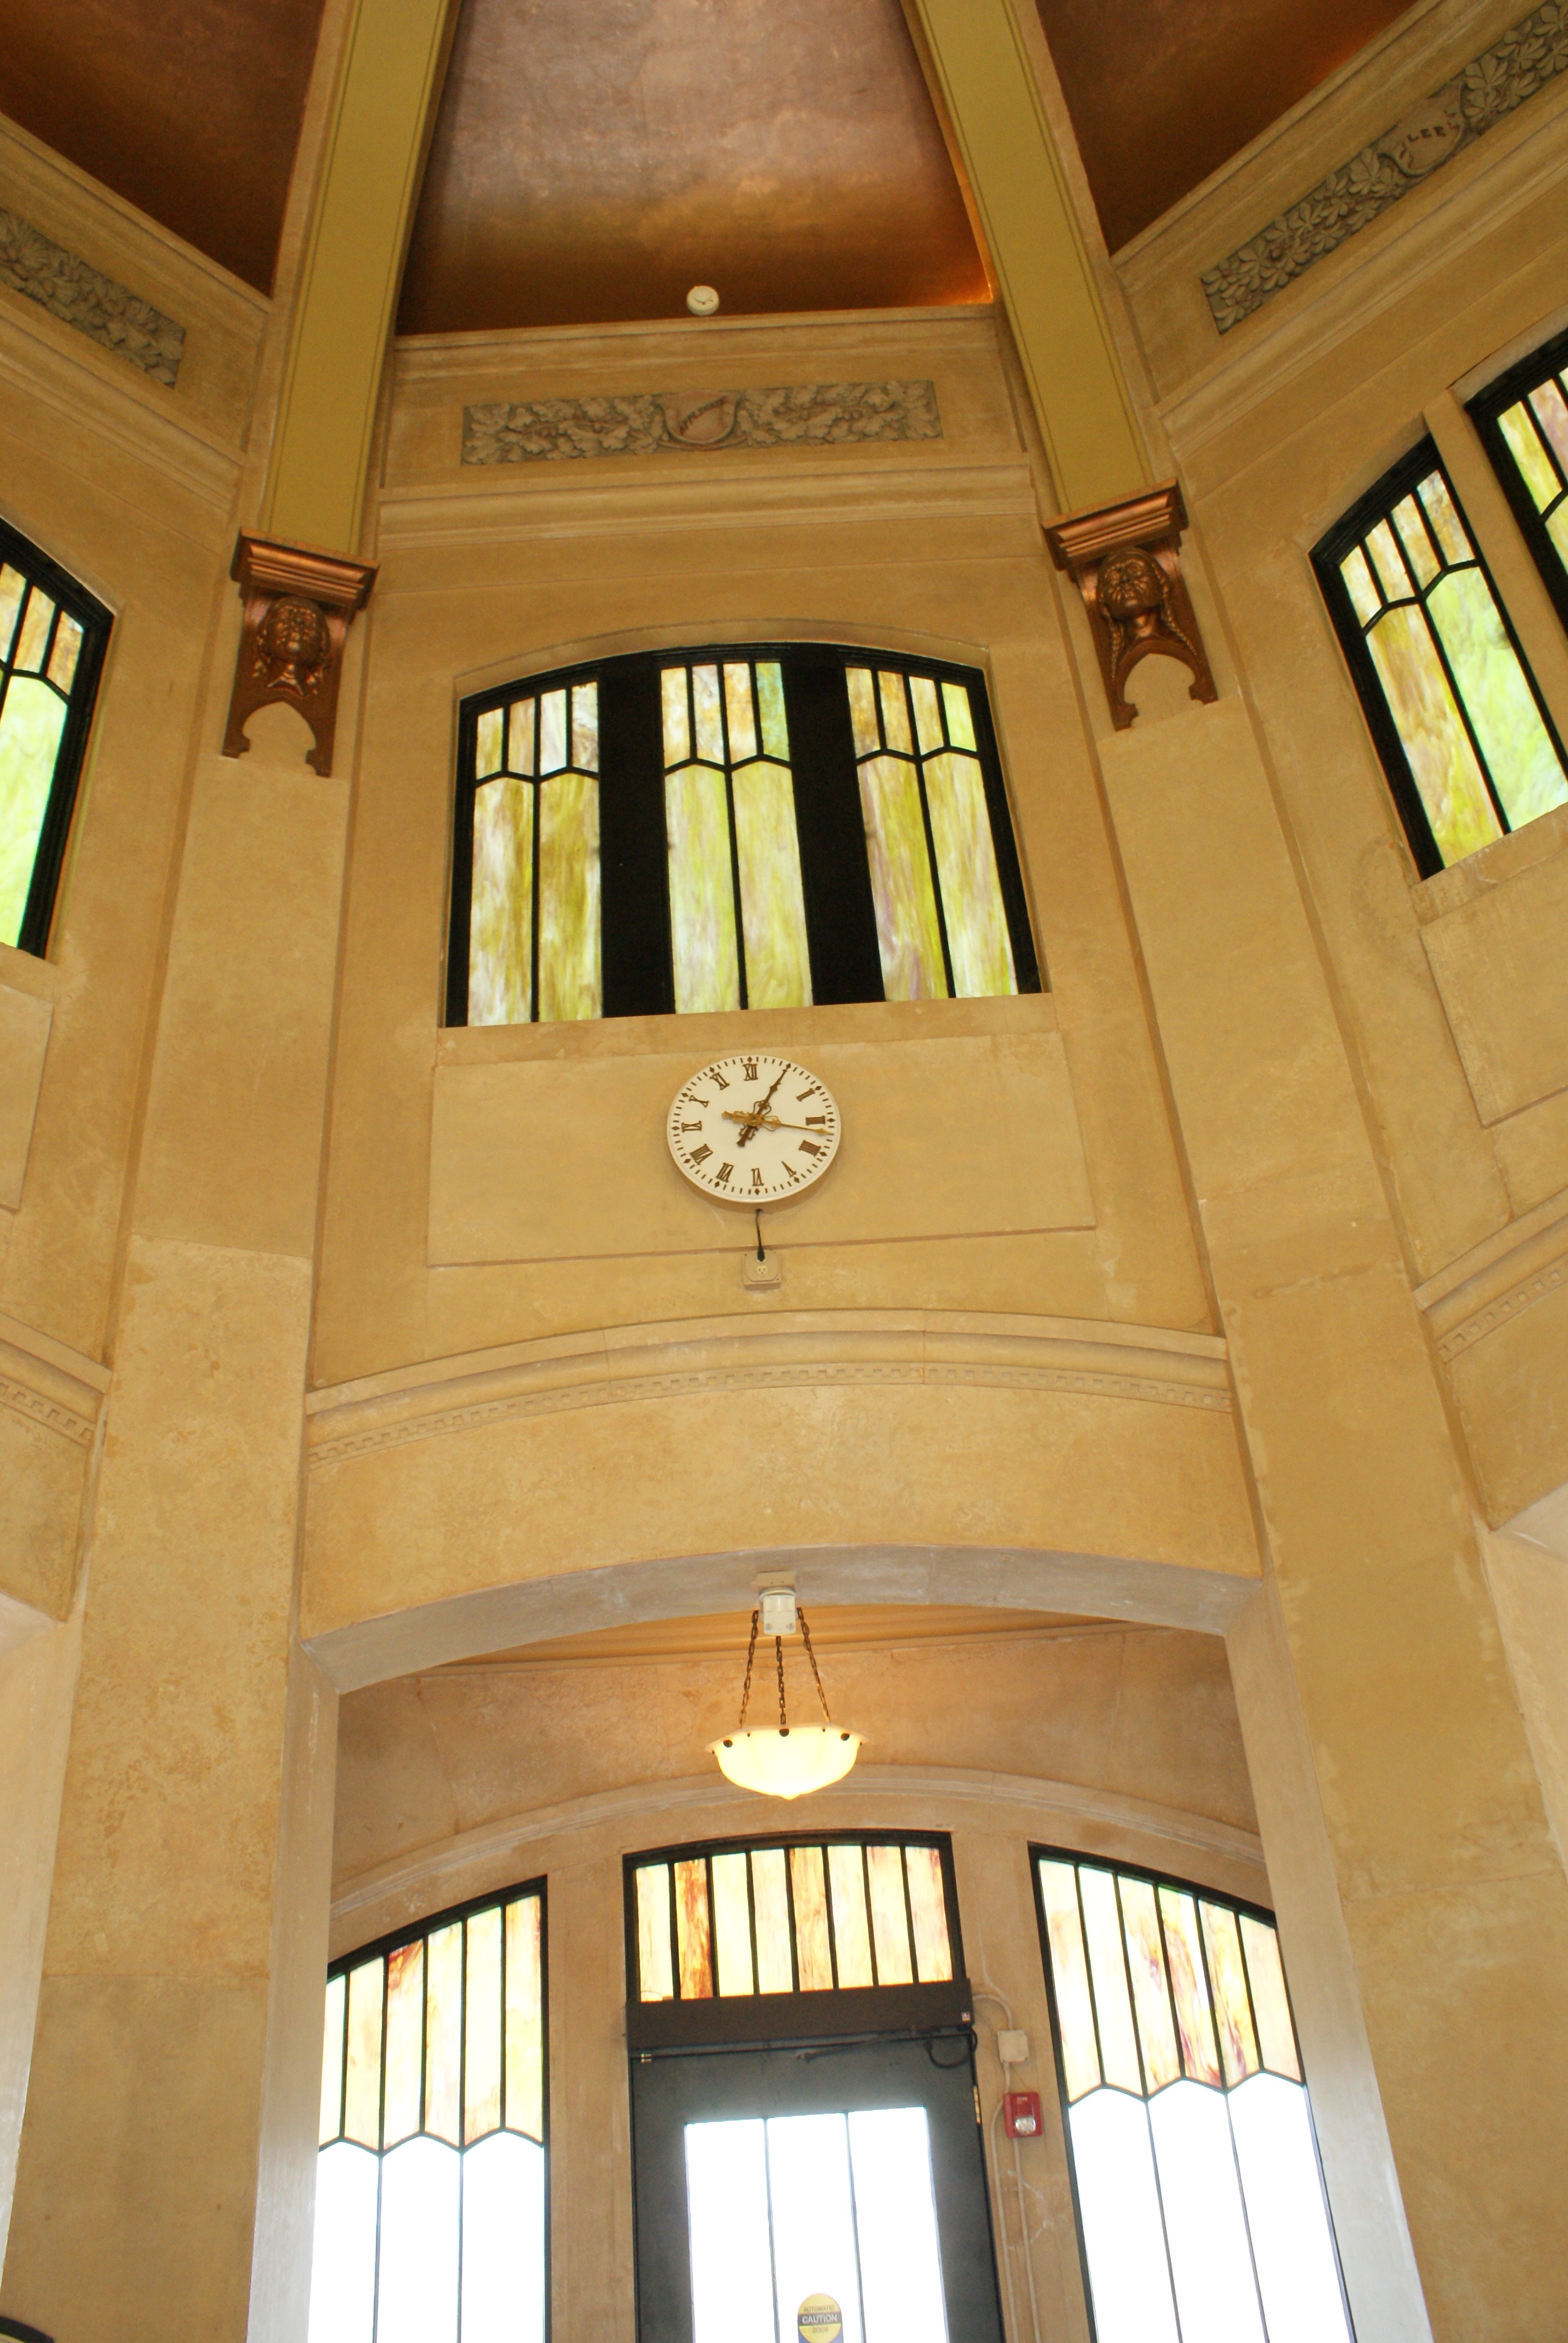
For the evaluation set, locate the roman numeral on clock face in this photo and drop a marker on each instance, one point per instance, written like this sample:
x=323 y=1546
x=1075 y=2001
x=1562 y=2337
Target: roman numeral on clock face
x=756 y=1178
x=692 y=1126
x=700 y=1155
x=721 y=1177
x=750 y=1065
x=718 y=1079
x=809 y=1147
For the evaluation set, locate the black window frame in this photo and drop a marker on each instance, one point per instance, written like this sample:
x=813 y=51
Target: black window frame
x=1378 y=504
x=1484 y=411
x=638 y=970
x=97 y=623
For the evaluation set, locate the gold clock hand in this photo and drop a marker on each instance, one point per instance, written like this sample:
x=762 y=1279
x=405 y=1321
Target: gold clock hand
x=772 y=1123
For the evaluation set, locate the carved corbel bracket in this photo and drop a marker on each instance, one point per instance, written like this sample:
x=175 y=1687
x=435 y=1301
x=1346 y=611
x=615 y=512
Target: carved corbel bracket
x=298 y=608
x=1127 y=561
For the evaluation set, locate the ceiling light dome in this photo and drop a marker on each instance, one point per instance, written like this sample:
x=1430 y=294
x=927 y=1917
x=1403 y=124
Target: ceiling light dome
x=782 y=1760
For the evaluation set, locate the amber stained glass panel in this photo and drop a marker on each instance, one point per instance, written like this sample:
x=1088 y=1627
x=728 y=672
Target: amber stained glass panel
x=1070 y=1973
x=525 y=2031
x=1151 y=1990
x=362 y=2084
x=482 y=2028
x=692 y=1934
x=1108 y=1973
x=890 y=1916
x=1228 y=1977
x=1271 y=2004
x=771 y=1904
x=444 y=2032
x=655 y=1976
x=732 y=1925
x=404 y=2043
x=501 y=917
x=813 y=1947
x=1184 y=1957
x=332 y=2058
x=929 y=1911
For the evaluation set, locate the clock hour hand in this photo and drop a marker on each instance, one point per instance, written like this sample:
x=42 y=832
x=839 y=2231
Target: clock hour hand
x=759 y=1121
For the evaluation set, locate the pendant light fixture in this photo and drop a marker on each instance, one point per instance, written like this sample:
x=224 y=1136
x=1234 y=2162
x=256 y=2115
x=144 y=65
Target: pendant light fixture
x=784 y=1760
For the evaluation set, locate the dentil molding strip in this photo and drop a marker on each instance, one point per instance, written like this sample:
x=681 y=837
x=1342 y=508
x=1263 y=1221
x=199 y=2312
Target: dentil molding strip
x=44 y=1383
x=1489 y=1286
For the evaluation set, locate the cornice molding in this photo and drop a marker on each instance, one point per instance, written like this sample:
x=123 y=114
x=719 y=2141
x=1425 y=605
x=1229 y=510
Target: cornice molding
x=1489 y=1286
x=46 y=1383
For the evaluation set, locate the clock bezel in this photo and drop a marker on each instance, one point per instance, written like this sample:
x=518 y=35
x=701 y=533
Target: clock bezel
x=745 y=1199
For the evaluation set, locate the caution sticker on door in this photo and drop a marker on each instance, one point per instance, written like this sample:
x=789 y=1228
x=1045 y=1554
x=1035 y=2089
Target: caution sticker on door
x=819 y=2319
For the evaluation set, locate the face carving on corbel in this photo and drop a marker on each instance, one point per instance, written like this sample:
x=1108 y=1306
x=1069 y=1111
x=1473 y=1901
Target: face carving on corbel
x=298 y=608
x=1126 y=560
x=292 y=646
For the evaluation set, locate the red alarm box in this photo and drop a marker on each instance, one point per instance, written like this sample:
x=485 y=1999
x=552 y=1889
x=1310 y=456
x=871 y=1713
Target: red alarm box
x=1020 y=2115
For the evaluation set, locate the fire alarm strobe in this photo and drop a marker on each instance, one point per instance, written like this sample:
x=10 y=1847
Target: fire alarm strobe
x=1020 y=2115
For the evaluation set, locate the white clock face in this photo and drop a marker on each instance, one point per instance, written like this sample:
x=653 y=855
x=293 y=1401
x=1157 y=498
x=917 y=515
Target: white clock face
x=753 y=1130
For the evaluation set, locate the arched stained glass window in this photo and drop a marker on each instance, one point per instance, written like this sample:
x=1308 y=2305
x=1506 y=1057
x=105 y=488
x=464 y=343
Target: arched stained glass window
x=430 y=2199
x=1200 y=2199
x=1523 y=420
x=52 y=638
x=762 y=827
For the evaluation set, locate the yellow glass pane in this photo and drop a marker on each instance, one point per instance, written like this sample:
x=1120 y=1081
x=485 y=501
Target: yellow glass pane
x=332 y=2059
x=771 y=1906
x=1526 y=772
x=654 y=1976
x=1151 y=1994
x=552 y=733
x=1524 y=445
x=1238 y=2042
x=1276 y=2035
x=705 y=708
x=863 y=710
x=12 y=586
x=1194 y=2019
x=889 y=1919
x=31 y=722
x=702 y=891
x=1070 y=1976
x=960 y=715
x=895 y=703
x=738 y=714
x=809 y=1890
x=584 y=727
x=732 y=1925
x=501 y=909
x=35 y=634
x=569 y=973
x=1420 y=551
x=927 y=714
x=487 y=735
x=1441 y=757
x=1552 y=414
x=405 y=2044
x=851 y=1933
x=1364 y=596
x=522 y=726
x=1446 y=525
x=1107 y=1971
x=67 y=650
x=929 y=1911
x=908 y=939
x=677 y=723
x=691 y=1931
x=525 y=2016
x=979 y=944
x=772 y=903
x=482 y=2028
x=770 y=707
x=443 y=2031
x=362 y=2079
x=1390 y=568
x=1557 y=531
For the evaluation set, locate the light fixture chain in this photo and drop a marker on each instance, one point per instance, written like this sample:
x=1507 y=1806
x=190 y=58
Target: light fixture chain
x=750 y=1655
x=778 y=1655
x=811 y=1655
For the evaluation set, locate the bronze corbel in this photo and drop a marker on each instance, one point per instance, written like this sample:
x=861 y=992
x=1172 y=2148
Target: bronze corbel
x=1126 y=560
x=298 y=608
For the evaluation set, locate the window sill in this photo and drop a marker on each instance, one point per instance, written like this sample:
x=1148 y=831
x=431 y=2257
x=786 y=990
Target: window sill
x=1490 y=866
x=723 y=1034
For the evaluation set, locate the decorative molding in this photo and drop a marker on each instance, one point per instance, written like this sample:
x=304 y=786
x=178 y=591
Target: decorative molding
x=35 y=1407
x=1475 y=1329
x=1126 y=560
x=1497 y=1279
x=48 y=1383
x=804 y=415
x=1518 y=65
x=110 y=315
x=298 y=609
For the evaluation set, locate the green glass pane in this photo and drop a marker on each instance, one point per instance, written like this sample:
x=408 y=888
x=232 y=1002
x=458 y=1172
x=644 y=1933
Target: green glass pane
x=772 y=904
x=487 y=744
x=1414 y=538
x=1390 y=571
x=863 y=710
x=1524 y=446
x=1551 y=414
x=12 y=586
x=584 y=727
x=33 y=640
x=522 y=719
x=705 y=708
x=738 y=713
x=895 y=713
x=64 y=657
x=552 y=733
x=501 y=920
x=1441 y=757
x=1557 y=531
x=701 y=892
x=908 y=936
x=771 y=707
x=1364 y=596
x=676 y=728
x=960 y=715
x=928 y=713
x=1447 y=526
x=978 y=941
x=1525 y=771
x=569 y=983
x=30 y=726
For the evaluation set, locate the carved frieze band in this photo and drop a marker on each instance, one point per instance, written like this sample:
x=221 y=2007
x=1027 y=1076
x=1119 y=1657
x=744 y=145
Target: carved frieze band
x=37 y=1407
x=801 y=415
x=1518 y=65
x=110 y=315
x=1500 y=1309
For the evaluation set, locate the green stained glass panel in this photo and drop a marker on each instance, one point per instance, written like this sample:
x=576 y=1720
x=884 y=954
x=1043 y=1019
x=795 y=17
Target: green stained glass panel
x=1385 y=555
x=584 y=727
x=705 y=705
x=522 y=729
x=908 y=936
x=1365 y=595
x=677 y=723
x=487 y=735
x=772 y=905
x=702 y=891
x=569 y=975
x=978 y=941
x=928 y=713
x=33 y=640
x=1557 y=531
x=1524 y=445
x=1551 y=414
x=12 y=586
x=739 y=713
x=863 y=710
x=501 y=920
x=895 y=713
x=552 y=733
x=960 y=715
x=1417 y=543
x=770 y=709
x=1441 y=757
x=1525 y=770
x=31 y=722
x=67 y=650
x=1447 y=526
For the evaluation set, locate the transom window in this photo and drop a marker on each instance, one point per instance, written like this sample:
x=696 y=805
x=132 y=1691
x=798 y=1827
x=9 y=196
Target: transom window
x=746 y=827
x=1468 y=747
x=430 y=2198
x=52 y=638
x=1200 y=2199
x=1523 y=420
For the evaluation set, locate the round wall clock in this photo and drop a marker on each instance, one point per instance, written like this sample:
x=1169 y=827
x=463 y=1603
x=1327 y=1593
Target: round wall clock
x=753 y=1130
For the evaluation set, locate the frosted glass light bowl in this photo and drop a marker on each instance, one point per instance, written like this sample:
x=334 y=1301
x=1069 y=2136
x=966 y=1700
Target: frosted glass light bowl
x=786 y=1762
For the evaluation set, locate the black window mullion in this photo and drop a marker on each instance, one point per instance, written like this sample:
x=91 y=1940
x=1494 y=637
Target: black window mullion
x=920 y=765
x=1484 y=411
x=638 y=973
x=734 y=834
x=1026 y=967
x=467 y=801
x=835 y=875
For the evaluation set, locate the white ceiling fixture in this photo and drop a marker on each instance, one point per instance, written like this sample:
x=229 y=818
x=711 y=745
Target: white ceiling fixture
x=784 y=1760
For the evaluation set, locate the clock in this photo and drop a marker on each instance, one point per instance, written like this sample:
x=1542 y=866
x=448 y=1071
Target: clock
x=753 y=1130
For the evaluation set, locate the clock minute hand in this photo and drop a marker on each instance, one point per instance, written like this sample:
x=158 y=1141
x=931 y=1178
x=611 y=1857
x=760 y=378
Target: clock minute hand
x=758 y=1122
